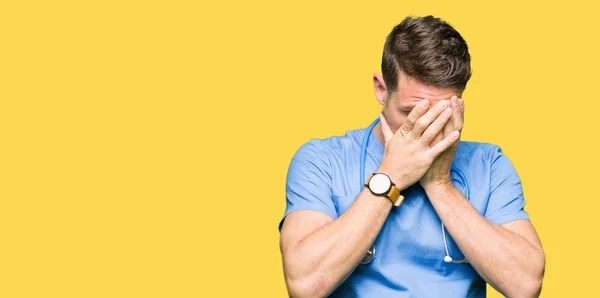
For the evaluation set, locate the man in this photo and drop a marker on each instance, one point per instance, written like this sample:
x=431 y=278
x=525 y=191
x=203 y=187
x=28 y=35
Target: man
x=436 y=217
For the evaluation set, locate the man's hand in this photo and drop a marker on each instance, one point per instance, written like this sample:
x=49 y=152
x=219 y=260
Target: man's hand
x=409 y=153
x=439 y=172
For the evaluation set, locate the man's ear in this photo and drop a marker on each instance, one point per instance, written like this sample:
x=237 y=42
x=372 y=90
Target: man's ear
x=380 y=89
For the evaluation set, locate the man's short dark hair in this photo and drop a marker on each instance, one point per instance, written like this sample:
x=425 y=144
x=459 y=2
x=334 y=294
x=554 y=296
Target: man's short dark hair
x=427 y=49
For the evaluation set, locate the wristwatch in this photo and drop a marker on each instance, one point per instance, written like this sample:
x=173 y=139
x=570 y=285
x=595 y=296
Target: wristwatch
x=380 y=184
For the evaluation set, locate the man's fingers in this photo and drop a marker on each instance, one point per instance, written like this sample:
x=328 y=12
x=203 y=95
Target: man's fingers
x=444 y=144
x=458 y=112
x=413 y=116
x=436 y=127
x=439 y=137
x=451 y=124
x=385 y=128
x=448 y=128
x=461 y=108
x=424 y=121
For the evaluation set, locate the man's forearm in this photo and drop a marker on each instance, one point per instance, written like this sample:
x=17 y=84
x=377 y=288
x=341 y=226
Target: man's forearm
x=506 y=260
x=319 y=262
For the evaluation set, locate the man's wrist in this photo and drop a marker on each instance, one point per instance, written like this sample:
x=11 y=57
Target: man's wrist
x=398 y=181
x=434 y=189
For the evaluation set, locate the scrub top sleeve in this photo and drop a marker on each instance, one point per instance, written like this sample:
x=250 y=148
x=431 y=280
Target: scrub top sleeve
x=506 y=201
x=309 y=180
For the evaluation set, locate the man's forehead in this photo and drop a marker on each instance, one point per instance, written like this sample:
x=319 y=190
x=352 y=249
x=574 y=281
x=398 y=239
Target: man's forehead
x=412 y=99
x=411 y=92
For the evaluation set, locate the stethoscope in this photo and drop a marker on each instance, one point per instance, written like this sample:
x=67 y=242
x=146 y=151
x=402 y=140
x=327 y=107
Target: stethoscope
x=370 y=255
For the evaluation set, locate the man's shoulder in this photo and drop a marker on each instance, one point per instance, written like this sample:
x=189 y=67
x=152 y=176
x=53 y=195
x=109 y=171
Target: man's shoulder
x=469 y=145
x=470 y=150
x=333 y=144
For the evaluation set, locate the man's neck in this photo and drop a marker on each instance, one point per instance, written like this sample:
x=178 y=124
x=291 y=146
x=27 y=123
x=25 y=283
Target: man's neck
x=379 y=133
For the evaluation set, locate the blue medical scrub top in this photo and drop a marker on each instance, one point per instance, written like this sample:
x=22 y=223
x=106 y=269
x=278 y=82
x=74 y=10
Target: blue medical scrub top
x=409 y=260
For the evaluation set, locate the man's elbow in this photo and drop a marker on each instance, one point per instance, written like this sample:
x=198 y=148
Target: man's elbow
x=535 y=283
x=525 y=288
x=306 y=287
x=531 y=286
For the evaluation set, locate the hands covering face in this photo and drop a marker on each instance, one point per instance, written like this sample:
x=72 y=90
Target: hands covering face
x=423 y=148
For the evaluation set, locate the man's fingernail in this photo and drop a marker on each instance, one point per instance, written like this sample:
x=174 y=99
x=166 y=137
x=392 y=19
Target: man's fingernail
x=454 y=99
x=443 y=103
x=425 y=103
x=447 y=112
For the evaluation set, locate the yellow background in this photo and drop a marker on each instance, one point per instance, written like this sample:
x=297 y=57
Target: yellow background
x=145 y=144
